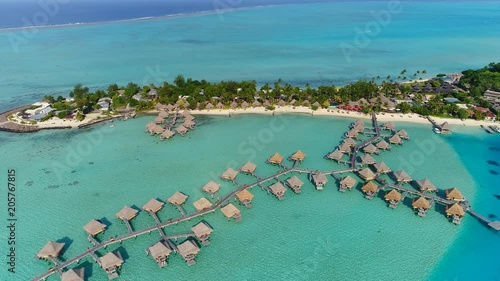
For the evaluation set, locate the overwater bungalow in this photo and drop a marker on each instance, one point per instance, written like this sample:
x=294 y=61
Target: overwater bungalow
x=454 y=194
x=150 y=126
x=359 y=128
x=256 y=103
x=245 y=198
x=395 y=140
x=445 y=128
x=50 y=250
x=403 y=134
x=367 y=159
x=153 y=206
x=295 y=184
x=347 y=182
x=352 y=134
x=367 y=174
x=167 y=134
x=383 y=145
x=159 y=106
x=219 y=105
x=421 y=205
x=185 y=113
x=248 y=168
x=189 y=124
x=111 y=263
x=94 y=227
x=393 y=197
x=188 y=251
x=358 y=122
x=426 y=185
x=211 y=187
x=190 y=118
x=370 y=189
x=159 y=120
x=350 y=142
x=230 y=174
x=345 y=148
x=276 y=159
x=402 y=176
x=244 y=105
x=381 y=168
x=230 y=211
x=266 y=103
x=156 y=130
x=298 y=156
x=126 y=213
x=177 y=199
x=233 y=105
x=163 y=114
x=169 y=107
x=160 y=253
x=278 y=190
x=209 y=106
x=202 y=231
x=456 y=212
x=202 y=204
x=281 y=103
x=389 y=126
x=370 y=149
x=181 y=130
x=319 y=180
x=336 y=155
x=74 y=274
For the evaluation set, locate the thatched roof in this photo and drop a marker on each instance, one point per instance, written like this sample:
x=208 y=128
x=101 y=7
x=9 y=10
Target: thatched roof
x=126 y=213
x=209 y=106
x=202 y=204
x=350 y=142
x=230 y=210
x=370 y=148
x=389 y=126
x=185 y=113
x=319 y=178
x=445 y=126
x=211 y=187
x=395 y=139
x=359 y=122
x=177 y=199
x=316 y=104
x=181 y=129
x=298 y=156
x=50 y=250
x=336 y=155
x=94 y=227
x=402 y=133
x=219 y=105
x=153 y=206
x=276 y=158
x=162 y=114
x=188 y=248
x=229 y=174
x=402 y=176
x=382 y=167
x=421 y=203
x=454 y=194
x=159 y=250
x=169 y=106
x=157 y=130
x=189 y=117
x=294 y=182
x=292 y=102
x=73 y=274
x=352 y=133
x=393 y=195
x=344 y=148
x=167 y=134
x=244 y=195
x=281 y=103
x=159 y=119
x=370 y=187
x=266 y=103
x=244 y=104
x=186 y=104
x=305 y=103
x=277 y=188
x=249 y=167
x=383 y=145
x=426 y=185
x=348 y=182
x=188 y=123
x=256 y=103
x=367 y=174
x=368 y=159
x=201 y=229
x=150 y=126
x=359 y=128
x=455 y=210
x=110 y=260
x=234 y=105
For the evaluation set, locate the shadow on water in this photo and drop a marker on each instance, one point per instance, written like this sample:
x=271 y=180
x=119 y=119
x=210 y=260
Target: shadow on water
x=494 y=148
x=493 y=172
x=123 y=252
x=105 y=221
x=497 y=196
x=87 y=267
x=493 y=163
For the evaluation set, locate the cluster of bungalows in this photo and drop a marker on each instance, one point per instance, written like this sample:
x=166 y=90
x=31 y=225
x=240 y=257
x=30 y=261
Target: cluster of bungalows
x=167 y=131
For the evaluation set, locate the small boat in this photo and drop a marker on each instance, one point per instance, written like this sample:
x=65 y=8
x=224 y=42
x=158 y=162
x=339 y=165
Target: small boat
x=495 y=128
x=437 y=130
x=112 y=126
x=488 y=130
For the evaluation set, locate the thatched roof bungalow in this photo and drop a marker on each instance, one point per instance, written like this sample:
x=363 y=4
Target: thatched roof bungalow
x=94 y=227
x=350 y=142
x=422 y=205
x=370 y=189
x=370 y=149
x=111 y=262
x=230 y=211
x=126 y=213
x=230 y=174
x=202 y=204
x=319 y=180
x=249 y=168
x=456 y=211
x=167 y=134
x=367 y=159
x=402 y=176
x=160 y=253
x=245 y=198
x=202 y=231
x=244 y=105
x=233 y=105
x=345 y=148
x=219 y=105
x=352 y=134
x=50 y=250
x=454 y=194
x=266 y=103
x=367 y=174
x=209 y=106
x=426 y=185
x=74 y=274
x=177 y=199
x=159 y=119
x=298 y=156
x=181 y=130
x=383 y=145
x=211 y=187
x=295 y=184
x=389 y=126
x=393 y=197
x=188 y=251
x=281 y=103
x=256 y=103
x=276 y=159
x=336 y=155
x=403 y=134
x=347 y=182
x=381 y=168
x=153 y=206
x=278 y=190
x=395 y=140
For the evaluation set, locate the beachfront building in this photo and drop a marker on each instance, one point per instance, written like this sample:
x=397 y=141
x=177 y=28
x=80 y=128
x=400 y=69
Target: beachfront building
x=177 y=199
x=51 y=250
x=393 y=197
x=209 y=106
x=319 y=180
x=244 y=105
x=111 y=263
x=159 y=119
x=211 y=187
x=202 y=231
x=426 y=185
x=167 y=134
x=298 y=156
x=126 y=213
x=395 y=140
x=336 y=155
x=345 y=148
x=219 y=105
x=402 y=176
x=202 y=204
x=230 y=174
x=233 y=105
x=181 y=130
x=160 y=253
x=245 y=198
x=189 y=124
x=230 y=211
x=281 y=102
x=350 y=142
x=421 y=205
x=370 y=149
x=381 y=168
x=276 y=159
x=188 y=250
x=389 y=126
x=295 y=184
x=456 y=212
x=383 y=145
x=403 y=134
x=256 y=103
x=367 y=174
x=347 y=182
x=94 y=227
x=266 y=103
x=370 y=189
x=454 y=194
x=367 y=159
x=359 y=128
x=74 y=274
x=248 y=168
x=153 y=206
x=278 y=190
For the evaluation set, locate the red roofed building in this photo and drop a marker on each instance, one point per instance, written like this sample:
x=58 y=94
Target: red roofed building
x=489 y=115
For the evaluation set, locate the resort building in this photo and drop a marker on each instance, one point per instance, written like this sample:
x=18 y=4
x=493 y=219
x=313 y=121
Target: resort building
x=160 y=253
x=421 y=205
x=402 y=176
x=345 y=148
x=233 y=105
x=456 y=212
x=244 y=105
x=403 y=134
x=245 y=198
x=266 y=103
x=319 y=180
x=281 y=103
x=347 y=182
x=211 y=187
x=51 y=250
x=153 y=206
x=454 y=194
x=202 y=231
x=189 y=124
x=295 y=184
x=278 y=190
x=367 y=174
x=209 y=106
x=383 y=145
x=350 y=142
x=219 y=105
x=352 y=134
x=248 y=168
x=188 y=251
x=159 y=119
x=202 y=204
x=395 y=140
x=370 y=189
x=445 y=128
x=126 y=213
x=74 y=274
x=381 y=168
x=177 y=199
x=336 y=155
x=426 y=185
x=389 y=126
x=230 y=211
x=167 y=134
x=230 y=174
x=276 y=159
x=298 y=156
x=181 y=130
x=256 y=103
x=367 y=159
x=94 y=227
x=111 y=263
x=370 y=149
x=393 y=197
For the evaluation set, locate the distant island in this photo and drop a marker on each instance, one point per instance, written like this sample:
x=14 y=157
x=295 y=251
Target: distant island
x=472 y=94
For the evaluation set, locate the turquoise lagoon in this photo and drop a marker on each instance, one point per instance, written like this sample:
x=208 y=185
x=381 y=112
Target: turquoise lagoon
x=68 y=177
